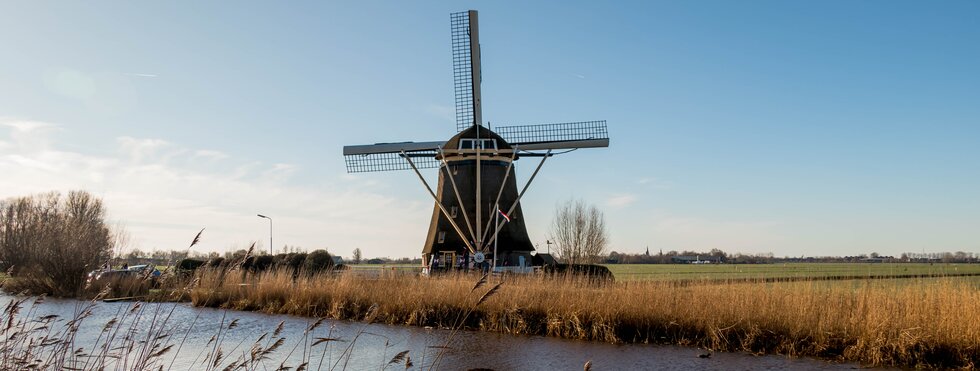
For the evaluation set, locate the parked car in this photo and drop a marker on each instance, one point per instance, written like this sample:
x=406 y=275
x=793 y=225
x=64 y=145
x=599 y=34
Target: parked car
x=110 y=274
x=142 y=268
x=133 y=271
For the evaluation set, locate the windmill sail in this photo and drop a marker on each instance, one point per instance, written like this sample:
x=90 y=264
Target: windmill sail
x=585 y=134
x=466 y=69
x=389 y=156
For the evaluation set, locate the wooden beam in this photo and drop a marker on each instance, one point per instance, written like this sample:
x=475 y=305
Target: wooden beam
x=459 y=199
x=501 y=191
x=443 y=208
x=518 y=200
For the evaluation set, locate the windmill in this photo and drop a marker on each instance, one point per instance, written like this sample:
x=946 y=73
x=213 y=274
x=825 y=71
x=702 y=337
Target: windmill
x=476 y=185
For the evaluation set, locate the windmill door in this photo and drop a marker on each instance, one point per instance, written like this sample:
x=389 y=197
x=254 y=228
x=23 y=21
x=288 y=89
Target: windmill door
x=449 y=259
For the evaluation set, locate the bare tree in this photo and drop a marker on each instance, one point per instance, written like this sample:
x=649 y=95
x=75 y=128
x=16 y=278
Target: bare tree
x=579 y=231
x=135 y=255
x=123 y=240
x=357 y=255
x=51 y=241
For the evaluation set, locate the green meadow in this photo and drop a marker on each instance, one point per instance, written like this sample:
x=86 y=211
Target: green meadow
x=781 y=270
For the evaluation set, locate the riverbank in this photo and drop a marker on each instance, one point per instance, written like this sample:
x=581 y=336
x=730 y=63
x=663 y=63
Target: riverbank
x=872 y=322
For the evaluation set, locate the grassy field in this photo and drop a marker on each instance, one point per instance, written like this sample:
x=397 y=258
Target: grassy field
x=796 y=270
x=399 y=267
x=675 y=272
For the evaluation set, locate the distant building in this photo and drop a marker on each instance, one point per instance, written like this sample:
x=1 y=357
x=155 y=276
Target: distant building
x=688 y=259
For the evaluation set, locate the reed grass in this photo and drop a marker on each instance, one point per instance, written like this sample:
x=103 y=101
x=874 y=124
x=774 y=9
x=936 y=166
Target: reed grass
x=932 y=323
x=142 y=336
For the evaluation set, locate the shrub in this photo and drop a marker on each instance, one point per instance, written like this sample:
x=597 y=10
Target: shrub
x=296 y=260
x=247 y=263
x=291 y=260
x=262 y=263
x=281 y=260
x=593 y=271
x=317 y=261
x=215 y=262
x=189 y=264
x=51 y=242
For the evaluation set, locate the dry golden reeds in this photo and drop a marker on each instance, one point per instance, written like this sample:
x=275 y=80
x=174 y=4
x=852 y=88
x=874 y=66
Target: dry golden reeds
x=925 y=323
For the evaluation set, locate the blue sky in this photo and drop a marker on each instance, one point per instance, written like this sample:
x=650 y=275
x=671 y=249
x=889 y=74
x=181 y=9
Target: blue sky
x=797 y=128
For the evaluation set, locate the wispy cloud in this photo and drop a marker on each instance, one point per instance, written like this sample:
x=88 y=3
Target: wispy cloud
x=26 y=125
x=139 y=148
x=577 y=75
x=210 y=154
x=621 y=200
x=280 y=171
x=163 y=193
x=140 y=74
x=655 y=183
x=27 y=135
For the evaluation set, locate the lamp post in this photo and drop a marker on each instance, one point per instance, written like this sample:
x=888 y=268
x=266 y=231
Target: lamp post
x=270 y=233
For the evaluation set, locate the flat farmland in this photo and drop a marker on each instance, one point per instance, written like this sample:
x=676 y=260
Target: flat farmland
x=696 y=272
x=783 y=270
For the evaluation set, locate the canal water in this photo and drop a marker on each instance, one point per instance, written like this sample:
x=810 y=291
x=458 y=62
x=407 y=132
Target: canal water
x=376 y=344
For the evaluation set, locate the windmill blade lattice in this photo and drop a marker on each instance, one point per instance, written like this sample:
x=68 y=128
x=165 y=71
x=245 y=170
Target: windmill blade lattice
x=463 y=70
x=365 y=163
x=560 y=135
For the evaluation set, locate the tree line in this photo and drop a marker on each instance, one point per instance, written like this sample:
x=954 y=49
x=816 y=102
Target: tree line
x=718 y=256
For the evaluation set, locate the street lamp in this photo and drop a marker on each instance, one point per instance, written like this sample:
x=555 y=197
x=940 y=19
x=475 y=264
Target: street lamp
x=270 y=233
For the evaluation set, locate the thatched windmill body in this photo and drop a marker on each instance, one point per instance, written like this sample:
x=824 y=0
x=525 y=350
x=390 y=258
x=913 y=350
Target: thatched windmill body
x=477 y=186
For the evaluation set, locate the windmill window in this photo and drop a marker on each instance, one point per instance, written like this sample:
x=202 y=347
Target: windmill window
x=442 y=236
x=477 y=143
x=452 y=212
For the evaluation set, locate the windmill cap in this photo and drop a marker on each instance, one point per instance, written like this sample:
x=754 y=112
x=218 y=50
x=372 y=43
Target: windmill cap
x=472 y=132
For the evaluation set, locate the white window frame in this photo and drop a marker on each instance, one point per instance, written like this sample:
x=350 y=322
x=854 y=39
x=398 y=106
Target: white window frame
x=484 y=143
